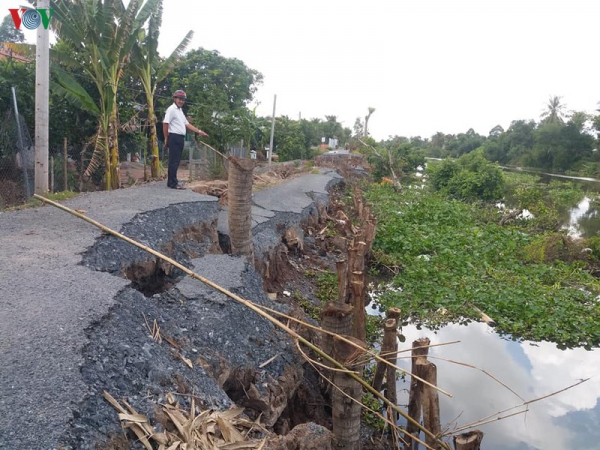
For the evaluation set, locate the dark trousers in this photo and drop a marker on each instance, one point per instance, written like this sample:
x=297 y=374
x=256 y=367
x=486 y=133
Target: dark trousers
x=175 y=143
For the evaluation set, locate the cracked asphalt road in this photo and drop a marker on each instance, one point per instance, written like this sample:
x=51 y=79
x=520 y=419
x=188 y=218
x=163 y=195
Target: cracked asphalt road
x=48 y=298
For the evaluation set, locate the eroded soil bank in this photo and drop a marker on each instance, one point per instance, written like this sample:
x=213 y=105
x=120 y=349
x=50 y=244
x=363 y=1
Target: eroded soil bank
x=171 y=338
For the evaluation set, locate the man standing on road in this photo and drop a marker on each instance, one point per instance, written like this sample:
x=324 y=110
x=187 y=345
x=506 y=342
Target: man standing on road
x=175 y=125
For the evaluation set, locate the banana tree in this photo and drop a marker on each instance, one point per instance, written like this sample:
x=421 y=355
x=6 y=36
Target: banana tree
x=147 y=65
x=102 y=34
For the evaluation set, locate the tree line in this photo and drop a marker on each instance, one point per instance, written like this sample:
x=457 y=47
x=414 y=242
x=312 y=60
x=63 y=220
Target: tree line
x=561 y=142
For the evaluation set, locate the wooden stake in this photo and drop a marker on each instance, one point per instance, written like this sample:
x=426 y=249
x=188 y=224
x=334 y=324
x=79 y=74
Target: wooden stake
x=391 y=344
x=342 y=273
x=430 y=402
x=420 y=349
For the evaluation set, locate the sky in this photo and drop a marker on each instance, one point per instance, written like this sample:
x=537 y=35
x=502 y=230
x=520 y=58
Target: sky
x=426 y=66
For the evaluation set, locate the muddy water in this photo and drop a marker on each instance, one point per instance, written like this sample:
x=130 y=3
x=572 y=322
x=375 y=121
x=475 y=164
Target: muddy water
x=567 y=420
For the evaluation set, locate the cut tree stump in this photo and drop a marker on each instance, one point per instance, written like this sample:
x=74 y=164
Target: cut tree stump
x=240 y=205
x=346 y=394
x=468 y=441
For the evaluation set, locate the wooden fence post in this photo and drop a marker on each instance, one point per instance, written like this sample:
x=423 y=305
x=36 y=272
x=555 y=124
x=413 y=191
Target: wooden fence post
x=65 y=166
x=386 y=346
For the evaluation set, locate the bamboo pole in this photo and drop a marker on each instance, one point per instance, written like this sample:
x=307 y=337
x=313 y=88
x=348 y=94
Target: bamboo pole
x=242 y=301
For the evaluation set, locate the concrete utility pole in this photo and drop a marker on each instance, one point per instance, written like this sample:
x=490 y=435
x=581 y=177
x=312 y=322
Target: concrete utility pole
x=272 y=128
x=42 y=86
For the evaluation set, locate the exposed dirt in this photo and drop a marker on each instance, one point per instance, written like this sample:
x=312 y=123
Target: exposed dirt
x=134 y=173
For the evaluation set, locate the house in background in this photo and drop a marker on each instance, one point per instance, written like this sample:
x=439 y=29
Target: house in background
x=14 y=51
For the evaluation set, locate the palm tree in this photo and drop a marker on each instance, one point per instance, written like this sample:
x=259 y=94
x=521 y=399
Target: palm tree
x=99 y=36
x=151 y=70
x=367 y=117
x=555 y=111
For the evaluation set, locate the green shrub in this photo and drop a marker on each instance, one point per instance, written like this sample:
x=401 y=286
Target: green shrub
x=471 y=178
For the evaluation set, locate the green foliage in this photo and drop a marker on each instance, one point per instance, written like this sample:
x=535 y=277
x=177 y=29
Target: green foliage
x=8 y=31
x=59 y=170
x=374 y=329
x=594 y=244
x=471 y=177
x=327 y=286
x=97 y=37
x=451 y=260
x=313 y=311
x=464 y=143
x=216 y=170
x=564 y=193
x=21 y=76
x=368 y=416
x=218 y=90
x=290 y=143
x=542 y=200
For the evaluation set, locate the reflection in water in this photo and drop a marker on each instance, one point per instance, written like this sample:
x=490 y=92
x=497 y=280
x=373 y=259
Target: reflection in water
x=567 y=420
x=575 y=215
x=583 y=219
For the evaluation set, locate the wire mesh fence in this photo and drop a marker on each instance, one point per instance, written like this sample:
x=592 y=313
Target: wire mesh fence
x=67 y=164
x=203 y=162
x=16 y=161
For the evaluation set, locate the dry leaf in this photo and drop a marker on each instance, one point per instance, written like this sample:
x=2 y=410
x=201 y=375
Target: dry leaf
x=139 y=418
x=187 y=361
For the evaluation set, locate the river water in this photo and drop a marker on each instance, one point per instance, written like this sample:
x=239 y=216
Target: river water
x=566 y=420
